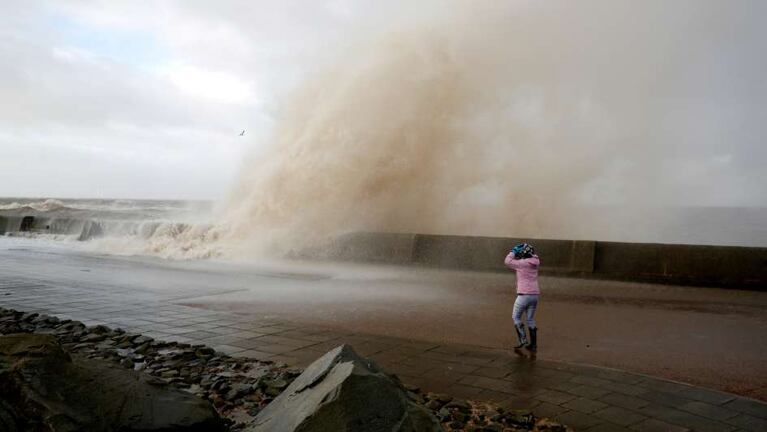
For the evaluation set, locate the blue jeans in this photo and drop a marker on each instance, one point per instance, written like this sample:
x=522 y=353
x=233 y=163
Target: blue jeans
x=525 y=304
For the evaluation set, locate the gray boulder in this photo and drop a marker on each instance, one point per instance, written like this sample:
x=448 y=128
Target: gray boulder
x=342 y=391
x=44 y=388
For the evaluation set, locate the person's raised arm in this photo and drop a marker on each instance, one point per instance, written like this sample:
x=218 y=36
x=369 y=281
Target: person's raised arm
x=511 y=262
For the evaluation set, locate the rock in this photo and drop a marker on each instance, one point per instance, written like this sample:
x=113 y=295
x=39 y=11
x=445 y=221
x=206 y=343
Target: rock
x=169 y=374
x=143 y=349
x=460 y=416
x=48 y=389
x=93 y=337
x=433 y=405
x=440 y=397
x=343 y=391
x=523 y=418
x=412 y=388
x=459 y=404
x=99 y=329
x=204 y=351
x=124 y=344
x=549 y=425
x=141 y=340
x=443 y=413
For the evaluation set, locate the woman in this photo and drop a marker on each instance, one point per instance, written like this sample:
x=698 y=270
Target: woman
x=525 y=262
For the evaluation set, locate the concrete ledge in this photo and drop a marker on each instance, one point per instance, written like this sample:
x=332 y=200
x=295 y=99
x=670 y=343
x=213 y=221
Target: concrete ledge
x=721 y=266
x=387 y=248
x=693 y=264
x=487 y=253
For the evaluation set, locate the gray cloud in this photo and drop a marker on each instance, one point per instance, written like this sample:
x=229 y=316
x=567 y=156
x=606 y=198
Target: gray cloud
x=119 y=99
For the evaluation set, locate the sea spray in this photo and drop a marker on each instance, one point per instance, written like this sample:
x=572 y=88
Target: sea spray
x=481 y=123
x=558 y=119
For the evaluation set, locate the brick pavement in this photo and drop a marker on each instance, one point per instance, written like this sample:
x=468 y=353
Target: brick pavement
x=587 y=398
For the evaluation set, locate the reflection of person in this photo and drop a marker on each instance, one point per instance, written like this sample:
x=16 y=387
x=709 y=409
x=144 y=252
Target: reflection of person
x=523 y=260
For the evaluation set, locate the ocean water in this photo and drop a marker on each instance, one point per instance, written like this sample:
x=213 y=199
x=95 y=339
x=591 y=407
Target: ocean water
x=191 y=229
x=169 y=229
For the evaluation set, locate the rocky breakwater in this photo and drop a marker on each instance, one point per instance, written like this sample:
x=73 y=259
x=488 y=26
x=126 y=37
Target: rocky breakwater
x=340 y=387
x=342 y=391
x=43 y=388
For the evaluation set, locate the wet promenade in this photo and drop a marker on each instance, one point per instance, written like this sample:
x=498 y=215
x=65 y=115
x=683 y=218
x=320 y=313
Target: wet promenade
x=165 y=302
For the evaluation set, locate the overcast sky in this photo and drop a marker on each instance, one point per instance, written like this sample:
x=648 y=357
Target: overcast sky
x=146 y=99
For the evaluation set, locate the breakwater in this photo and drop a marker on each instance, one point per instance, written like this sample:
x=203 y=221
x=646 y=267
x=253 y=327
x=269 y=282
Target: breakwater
x=688 y=264
x=703 y=265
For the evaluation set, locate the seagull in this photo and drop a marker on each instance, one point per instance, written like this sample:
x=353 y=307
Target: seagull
x=242 y=133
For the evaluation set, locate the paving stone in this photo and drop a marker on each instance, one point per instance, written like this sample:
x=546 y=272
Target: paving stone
x=545 y=409
x=443 y=374
x=619 y=376
x=577 y=420
x=589 y=391
x=592 y=381
x=419 y=369
x=749 y=423
x=279 y=340
x=220 y=330
x=223 y=340
x=585 y=405
x=494 y=396
x=607 y=427
x=624 y=401
x=620 y=416
x=321 y=337
x=565 y=386
x=464 y=391
x=683 y=418
x=464 y=369
x=488 y=353
x=555 y=397
x=653 y=425
x=628 y=389
x=557 y=375
x=476 y=361
x=663 y=385
x=491 y=372
x=274 y=349
x=748 y=406
x=486 y=383
x=706 y=395
x=523 y=402
x=453 y=350
x=244 y=325
x=713 y=412
x=388 y=357
x=664 y=398
x=199 y=335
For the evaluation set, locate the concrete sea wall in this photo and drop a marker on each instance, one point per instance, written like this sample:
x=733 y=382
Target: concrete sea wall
x=723 y=266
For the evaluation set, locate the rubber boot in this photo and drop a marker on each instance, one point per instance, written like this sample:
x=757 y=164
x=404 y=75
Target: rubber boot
x=533 y=345
x=521 y=335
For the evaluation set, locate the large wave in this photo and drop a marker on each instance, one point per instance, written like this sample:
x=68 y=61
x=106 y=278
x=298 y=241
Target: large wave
x=47 y=205
x=521 y=119
x=501 y=119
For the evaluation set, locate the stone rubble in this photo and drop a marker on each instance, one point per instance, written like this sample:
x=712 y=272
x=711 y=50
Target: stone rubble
x=239 y=388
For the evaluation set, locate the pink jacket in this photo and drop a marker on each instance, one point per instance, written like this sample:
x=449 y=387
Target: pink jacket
x=527 y=273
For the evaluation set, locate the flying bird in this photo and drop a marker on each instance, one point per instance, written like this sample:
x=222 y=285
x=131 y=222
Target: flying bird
x=242 y=133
